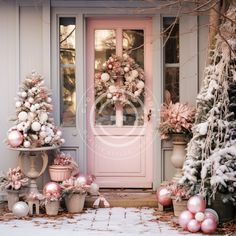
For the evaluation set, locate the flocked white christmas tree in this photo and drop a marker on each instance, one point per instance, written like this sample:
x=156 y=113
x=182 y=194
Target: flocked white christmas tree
x=210 y=165
x=33 y=125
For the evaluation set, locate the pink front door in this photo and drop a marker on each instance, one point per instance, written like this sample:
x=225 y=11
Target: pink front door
x=119 y=140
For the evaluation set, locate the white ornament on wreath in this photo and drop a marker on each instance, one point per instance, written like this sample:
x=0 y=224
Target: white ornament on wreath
x=27 y=104
x=37 y=106
x=35 y=126
x=33 y=108
x=48 y=139
x=23 y=94
x=43 y=134
x=120 y=80
x=49 y=100
x=22 y=116
x=30 y=100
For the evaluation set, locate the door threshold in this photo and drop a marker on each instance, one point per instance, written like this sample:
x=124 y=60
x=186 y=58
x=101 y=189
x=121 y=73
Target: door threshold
x=125 y=198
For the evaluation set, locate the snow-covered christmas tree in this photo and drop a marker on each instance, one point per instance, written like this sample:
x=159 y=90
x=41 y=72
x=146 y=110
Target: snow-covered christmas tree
x=33 y=125
x=210 y=165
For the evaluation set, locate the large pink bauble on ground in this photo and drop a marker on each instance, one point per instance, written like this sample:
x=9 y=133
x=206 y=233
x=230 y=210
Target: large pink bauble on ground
x=193 y=226
x=196 y=204
x=210 y=213
x=52 y=188
x=163 y=196
x=15 y=138
x=184 y=219
x=209 y=226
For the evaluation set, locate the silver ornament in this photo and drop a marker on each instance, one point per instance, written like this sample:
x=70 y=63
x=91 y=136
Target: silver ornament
x=20 y=209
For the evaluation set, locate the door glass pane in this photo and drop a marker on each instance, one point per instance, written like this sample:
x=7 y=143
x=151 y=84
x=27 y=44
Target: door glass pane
x=172 y=83
x=133 y=45
x=171 y=40
x=105 y=46
x=67 y=71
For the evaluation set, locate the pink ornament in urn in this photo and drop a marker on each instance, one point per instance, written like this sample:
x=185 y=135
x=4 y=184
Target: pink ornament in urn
x=184 y=219
x=209 y=226
x=193 y=226
x=196 y=204
x=14 y=138
x=51 y=188
x=163 y=196
x=210 y=213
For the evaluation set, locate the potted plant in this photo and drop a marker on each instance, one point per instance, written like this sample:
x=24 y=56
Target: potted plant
x=74 y=192
x=176 y=122
x=52 y=203
x=63 y=167
x=15 y=183
x=180 y=195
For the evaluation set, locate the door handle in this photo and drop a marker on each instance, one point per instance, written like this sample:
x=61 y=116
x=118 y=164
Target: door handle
x=149 y=115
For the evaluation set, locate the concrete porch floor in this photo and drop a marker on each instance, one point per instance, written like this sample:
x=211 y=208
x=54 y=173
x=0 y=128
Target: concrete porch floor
x=102 y=221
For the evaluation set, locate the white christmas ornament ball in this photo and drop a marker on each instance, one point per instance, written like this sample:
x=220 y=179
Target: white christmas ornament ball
x=48 y=139
x=59 y=133
x=30 y=100
x=24 y=94
x=63 y=140
x=134 y=73
x=27 y=144
x=94 y=188
x=37 y=106
x=109 y=95
x=126 y=69
x=112 y=89
x=33 y=89
x=140 y=85
x=22 y=116
x=20 y=209
x=18 y=104
x=43 y=128
x=105 y=77
x=32 y=108
x=199 y=216
x=43 y=134
x=43 y=117
x=49 y=100
x=115 y=98
x=137 y=93
x=35 y=126
x=202 y=128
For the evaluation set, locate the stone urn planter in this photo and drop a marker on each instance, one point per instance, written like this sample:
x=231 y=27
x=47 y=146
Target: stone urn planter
x=12 y=198
x=75 y=202
x=59 y=173
x=179 y=154
x=52 y=208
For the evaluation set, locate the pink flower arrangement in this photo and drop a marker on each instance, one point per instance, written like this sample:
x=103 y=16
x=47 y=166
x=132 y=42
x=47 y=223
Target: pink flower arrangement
x=16 y=179
x=176 y=118
x=51 y=197
x=74 y=185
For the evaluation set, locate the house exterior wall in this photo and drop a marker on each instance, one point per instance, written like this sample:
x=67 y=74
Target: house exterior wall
x=27 y=43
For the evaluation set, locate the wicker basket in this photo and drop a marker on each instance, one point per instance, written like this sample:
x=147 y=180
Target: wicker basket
x=59 y=173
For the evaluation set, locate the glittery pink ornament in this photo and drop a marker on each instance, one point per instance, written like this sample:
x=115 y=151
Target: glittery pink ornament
x=163 y=196
x=15 y=138
x=193 y=226
x=196 y=204
x=210 y=213
x=208 y=226
x=51 y=188
x=184 y=219
x=81 y=180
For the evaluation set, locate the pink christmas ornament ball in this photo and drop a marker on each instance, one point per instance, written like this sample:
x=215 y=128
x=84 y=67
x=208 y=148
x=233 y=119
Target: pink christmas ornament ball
x=52 y=188
x=210 y=213
x=163 y=196
x=193 y=226
x=196 y=204
x=15 y=138
x=90 y=179
x=184 y=219
x=209 y=226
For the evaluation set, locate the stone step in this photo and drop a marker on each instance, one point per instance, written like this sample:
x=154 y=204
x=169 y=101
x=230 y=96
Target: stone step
x=125 y=198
